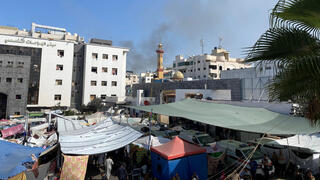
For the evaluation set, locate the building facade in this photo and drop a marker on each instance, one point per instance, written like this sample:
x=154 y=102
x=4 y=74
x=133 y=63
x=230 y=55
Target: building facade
x=59 y=67
x=104 y=72
x=207 y=66
x=254 y=80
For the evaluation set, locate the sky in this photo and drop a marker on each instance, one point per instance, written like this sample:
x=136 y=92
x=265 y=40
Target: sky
x=141 y=24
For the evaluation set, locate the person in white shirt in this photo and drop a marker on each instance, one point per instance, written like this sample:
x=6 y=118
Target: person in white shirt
x=108 y=167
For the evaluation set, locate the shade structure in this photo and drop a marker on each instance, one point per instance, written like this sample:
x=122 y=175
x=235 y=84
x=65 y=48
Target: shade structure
x=155 y=141
x=179 y=157
x=12 y=130
x=249 y=119
x=102 y=137
x=177 y=148
x=12 y=157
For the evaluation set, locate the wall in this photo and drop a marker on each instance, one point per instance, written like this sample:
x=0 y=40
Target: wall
x=155 y=89
x=214 y=94
x=77 y=76
x=13 y=88
x=120 y=78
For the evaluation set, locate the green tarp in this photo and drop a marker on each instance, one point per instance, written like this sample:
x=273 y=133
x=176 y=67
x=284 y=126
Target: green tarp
x=250 y=119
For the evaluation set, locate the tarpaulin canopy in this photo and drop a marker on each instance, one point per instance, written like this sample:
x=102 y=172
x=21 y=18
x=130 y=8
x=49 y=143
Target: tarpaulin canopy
x=102 y=137
x=309 y=143
x=155 y=141
x=12 y=156
x=177 y=148
x=250 y=119
x=179 y=157
x=12 y=131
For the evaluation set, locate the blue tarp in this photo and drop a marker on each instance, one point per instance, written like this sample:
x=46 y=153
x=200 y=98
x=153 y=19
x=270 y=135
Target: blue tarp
x=12 y=156
x=185 y=166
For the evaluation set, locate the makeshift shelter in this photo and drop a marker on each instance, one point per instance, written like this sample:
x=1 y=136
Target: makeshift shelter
x=12 y=131
x=303 y=150
x=155 y=141
x=249 y=119
x=12 y=157
x=102 y=137
x=178 y=156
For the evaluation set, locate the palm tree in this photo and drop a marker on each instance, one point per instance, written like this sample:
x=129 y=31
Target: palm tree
x=292 y=44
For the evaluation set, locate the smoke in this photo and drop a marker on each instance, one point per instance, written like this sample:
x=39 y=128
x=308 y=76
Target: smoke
x=188 y=21
x=143 y=57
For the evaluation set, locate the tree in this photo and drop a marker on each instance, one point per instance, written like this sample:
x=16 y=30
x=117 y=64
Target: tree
x=292 y=44
x=93 y=106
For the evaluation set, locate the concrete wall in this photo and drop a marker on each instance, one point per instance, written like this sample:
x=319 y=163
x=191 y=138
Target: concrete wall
x=155 y=89
x=89 y=76
x=14 y=88
x=214 y=94
x=77 y=76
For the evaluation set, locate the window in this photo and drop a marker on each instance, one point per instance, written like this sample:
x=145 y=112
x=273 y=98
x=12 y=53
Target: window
x=18 y=96
x=57 y=97
x=103 y=96
x=92 y=97
x=174 y=65
x=228 y=68
x=103 y=83
x=204 y=76
x=93 y=83
x=268 y=68
x=104 y=56
x=198 y=62
x=60 y=53
x=199 y=77
x=114 y=83
x=0 y=63
x=58 y=82
x=198 y=69
x=220 y=68
x=59 y=67
x=114 y=71
x=113 y=95
x=94 y=69
x=104 y=69
x=10 y=64
x=8 y=80
x=213 y=67
x=191 y=70
x=16 y=113
x=214 y=75
x=114 y=57
x=95 y=56
x=20 y=80
x=20 y=64
x=204 y=68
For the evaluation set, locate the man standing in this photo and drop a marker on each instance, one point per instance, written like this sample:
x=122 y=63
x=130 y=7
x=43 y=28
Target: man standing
x=108 y=167
x=122 y=173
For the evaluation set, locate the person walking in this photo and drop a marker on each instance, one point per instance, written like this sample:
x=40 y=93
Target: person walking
x=253 y=168
x=108 y=167
x=122 y=173
x=281 y=163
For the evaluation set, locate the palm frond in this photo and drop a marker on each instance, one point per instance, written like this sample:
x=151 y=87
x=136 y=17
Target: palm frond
x=301 y=14
x=283 y=44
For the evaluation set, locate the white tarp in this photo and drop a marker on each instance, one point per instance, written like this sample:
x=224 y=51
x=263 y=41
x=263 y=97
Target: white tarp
x=155 y=141
x=302 y=143
x=309 y=143
x=39 y=127
x=100 y=138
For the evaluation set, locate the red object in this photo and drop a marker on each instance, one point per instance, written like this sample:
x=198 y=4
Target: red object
x=146 y=103
x=177 y=148
x=4 y=120
x=12 y=131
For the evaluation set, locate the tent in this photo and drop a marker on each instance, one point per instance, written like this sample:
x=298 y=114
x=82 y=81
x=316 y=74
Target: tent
x=102 y=137
x=155 y=141
x=249 y=119
x=303 y=150
x=178 y=156
x=12 y=157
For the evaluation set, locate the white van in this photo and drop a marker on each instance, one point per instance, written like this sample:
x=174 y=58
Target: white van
x=238 y=151
x=196 y=137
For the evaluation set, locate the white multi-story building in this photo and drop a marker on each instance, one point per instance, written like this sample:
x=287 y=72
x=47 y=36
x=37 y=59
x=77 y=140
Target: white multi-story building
x=131 y=78
x=104 y=72
x=63 y=68
x=55 y=67
x=207 y=66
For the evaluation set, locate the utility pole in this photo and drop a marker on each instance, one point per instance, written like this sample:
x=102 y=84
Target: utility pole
x=202 y=45
x=220 y=42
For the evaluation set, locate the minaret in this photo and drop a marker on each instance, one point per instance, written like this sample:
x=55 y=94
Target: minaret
x=160 y=61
